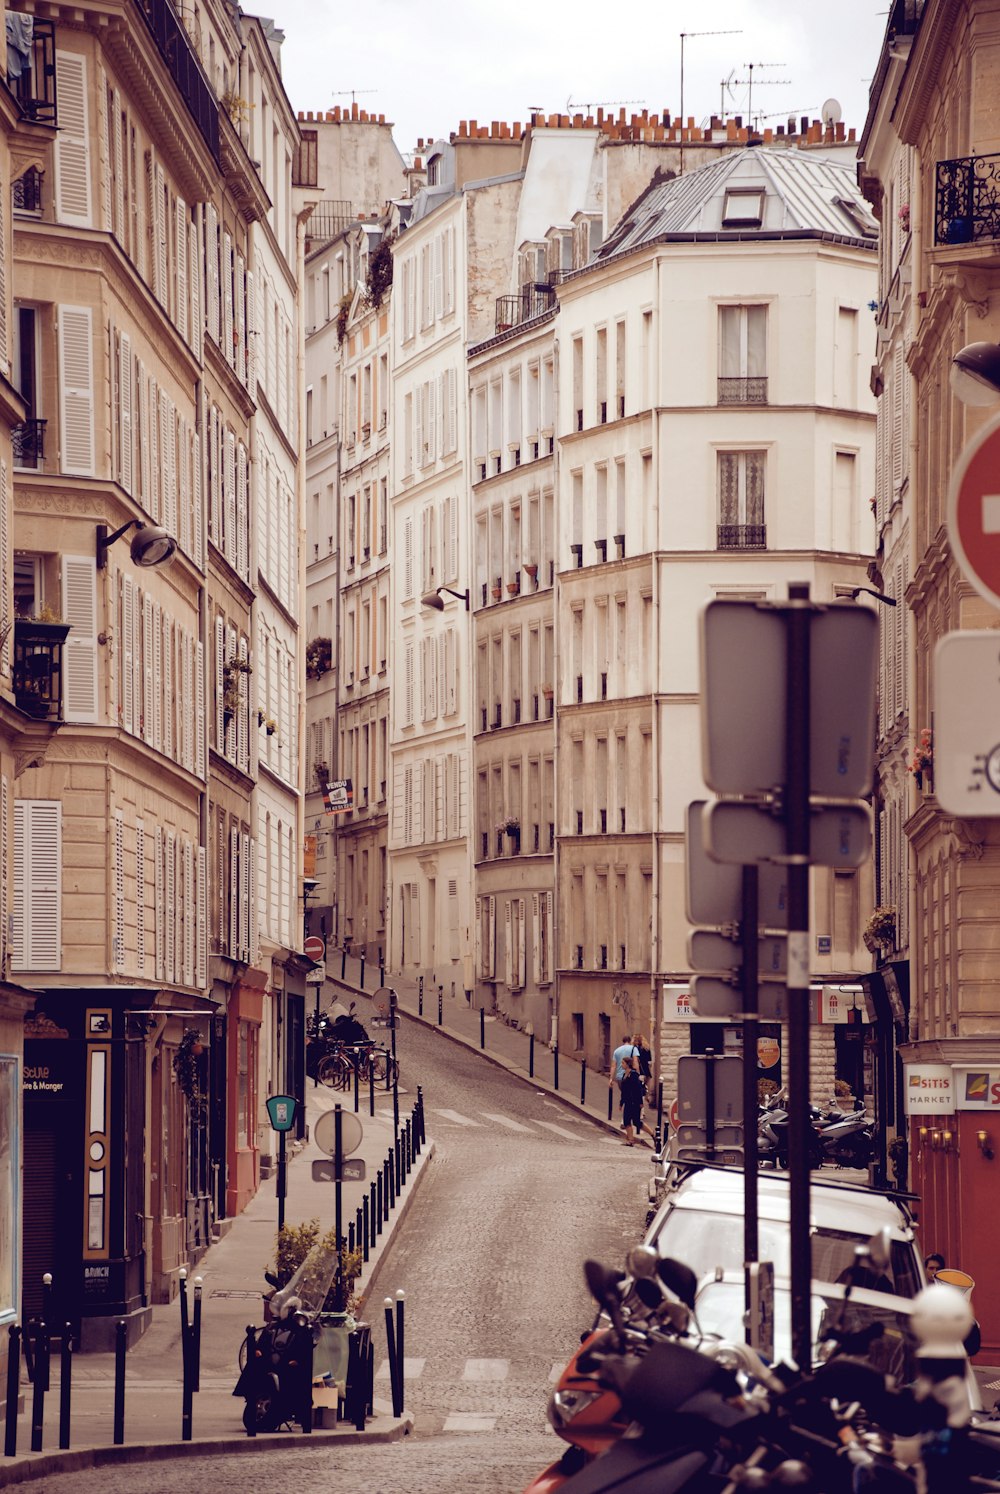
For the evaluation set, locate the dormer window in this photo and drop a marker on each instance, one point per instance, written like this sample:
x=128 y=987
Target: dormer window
x=434 y=171
x=743 y=207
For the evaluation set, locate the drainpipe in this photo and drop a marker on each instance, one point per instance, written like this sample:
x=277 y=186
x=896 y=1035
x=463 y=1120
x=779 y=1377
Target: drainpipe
x=554 y=932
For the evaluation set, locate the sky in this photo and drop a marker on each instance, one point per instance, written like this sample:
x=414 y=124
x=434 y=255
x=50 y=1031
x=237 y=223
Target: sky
x=427 y=67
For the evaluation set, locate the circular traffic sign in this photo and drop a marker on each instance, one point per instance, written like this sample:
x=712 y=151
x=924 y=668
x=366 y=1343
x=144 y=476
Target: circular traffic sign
x=675 y=1115
x=314 y=948
x=974 y=511
x=325 y=1132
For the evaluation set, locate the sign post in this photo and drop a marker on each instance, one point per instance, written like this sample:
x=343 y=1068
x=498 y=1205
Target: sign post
x=281 y=1113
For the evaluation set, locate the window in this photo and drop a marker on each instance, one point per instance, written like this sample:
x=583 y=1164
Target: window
x=742 y=355
x=741 y=501
x=36 y=941
x=743 y=207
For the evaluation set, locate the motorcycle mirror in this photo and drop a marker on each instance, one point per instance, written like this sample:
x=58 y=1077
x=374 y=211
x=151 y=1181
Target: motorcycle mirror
x=648 y=1293
x=642 y=1261
x=679 y=1279
x=879 y=1249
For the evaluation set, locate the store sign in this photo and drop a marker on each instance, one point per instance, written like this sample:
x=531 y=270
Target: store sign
x=930 y=1087
x=677 y=1005
x=338 y=796
x=977 y=1089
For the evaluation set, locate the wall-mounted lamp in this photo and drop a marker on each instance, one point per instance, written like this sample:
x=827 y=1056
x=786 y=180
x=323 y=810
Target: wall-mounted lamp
x=975 y=373
x=150 y=545
x=935 y=1141
x=879 y=596
x=433 y=598
x=984 y=1141
x=947 y=1141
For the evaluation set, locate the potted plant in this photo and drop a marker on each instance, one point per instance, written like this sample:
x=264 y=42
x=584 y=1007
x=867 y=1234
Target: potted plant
x=322 y=771
x=231 y=691
x=904 y=217
x=513 y=587
x=880 y=930
x=497 y=589
x=531 y=571
x=293 y=1245
x=510 y=825
x=270 y=726
x=923 y=759
x=188 y=1071
x=319 y=656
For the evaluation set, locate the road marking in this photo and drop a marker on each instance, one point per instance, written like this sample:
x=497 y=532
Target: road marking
x=453 y=1115
x=486 y=1369
x=412 y=1369
x=469 y=1421
x=556 y=1373
x=504 y=1120
x=560 y=1131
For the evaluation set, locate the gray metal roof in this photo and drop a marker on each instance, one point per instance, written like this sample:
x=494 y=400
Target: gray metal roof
x=802 y=193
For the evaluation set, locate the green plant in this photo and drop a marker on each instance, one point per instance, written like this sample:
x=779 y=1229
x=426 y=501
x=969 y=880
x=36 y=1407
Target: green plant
x=379 y=271
x=881 y=926
x=343 y=311
x=231 y=693
x=188 y=1071
x=294 y=1243
x=319 y=657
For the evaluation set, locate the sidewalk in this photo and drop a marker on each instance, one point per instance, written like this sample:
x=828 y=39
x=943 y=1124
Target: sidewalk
x=232 y=1272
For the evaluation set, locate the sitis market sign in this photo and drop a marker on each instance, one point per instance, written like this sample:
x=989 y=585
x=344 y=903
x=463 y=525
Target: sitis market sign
x=930 y=1087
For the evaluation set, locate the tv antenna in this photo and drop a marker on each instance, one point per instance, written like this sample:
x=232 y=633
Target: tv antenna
x=684 y=36
x=771 y=82
x=572 y=108
x=341 y=93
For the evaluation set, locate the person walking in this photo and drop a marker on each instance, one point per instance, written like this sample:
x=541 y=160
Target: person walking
x=624 y=1059
x=633 y=1097
x=645 y=1056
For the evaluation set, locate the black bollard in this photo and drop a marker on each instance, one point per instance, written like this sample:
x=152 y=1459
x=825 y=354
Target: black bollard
x=409 y=1144
x=401 y=1373
x=121 y=1339
x=251 y=1355
x=611 y=1099
x=13 y=1382
x=583 y=1082
x=440 y=1004
x=531 y=1055
x=371 y=1089
x=555 y=1066
x=359 y=1230
x=343 y=963
x=379 y=1185
x=306 y=1412
x=350 y=1237
x=362 y=972
x=381 y=974
x=196 y=1337
x=365 y=1235
x=395 y=1102
x=390 y=1340
x=357 y=1080
x=38 y=1388
x=420 y=996
x=65 y=1384
x=183 y=1302
x=482 y=1027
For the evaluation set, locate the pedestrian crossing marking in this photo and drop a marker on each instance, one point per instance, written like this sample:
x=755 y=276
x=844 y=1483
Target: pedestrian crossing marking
x=559 y=1130
x=555 y=1373
x=505 y=1120
x=453 y=1115
x=486 y=1369
x=412 y=1369
x=469 y=1421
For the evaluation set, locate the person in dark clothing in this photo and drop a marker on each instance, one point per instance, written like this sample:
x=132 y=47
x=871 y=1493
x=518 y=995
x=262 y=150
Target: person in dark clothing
x=633 y=1095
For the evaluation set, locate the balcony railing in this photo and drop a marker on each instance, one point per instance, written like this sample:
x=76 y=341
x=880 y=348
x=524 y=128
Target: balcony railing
x=741 y=536
x=35 y=89
x=534 y=299
x=744 y=391
x=967 y=200
x=182 y=63
x=27 y=442
x=27 y=191
x=37 y=670
x=326 y=221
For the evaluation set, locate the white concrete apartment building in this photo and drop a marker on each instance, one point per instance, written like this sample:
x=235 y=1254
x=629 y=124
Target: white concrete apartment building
x=713 y=441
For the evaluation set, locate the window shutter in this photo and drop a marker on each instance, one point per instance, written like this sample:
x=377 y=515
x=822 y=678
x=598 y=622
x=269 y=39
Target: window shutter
x=142 y=439
x=252 y=903
x=79 y=606
x=407 y=558
x=127 y=698
x=4 y=312
x=169 y=713
x=158 y=894
x=536 y=969
x=184 y=487
x=190 y=914
x=449 y=270
x=201 y=930
x=118 y=893
x=5 y=570
x=140 y=896
x=451 y=416
x=6 y=882
x=227 y=298
x=148 y=673
x=153 y=502
x=491 y=937
x=451 y=671
x=170 y=897
x=37 y=910
x=519 y=950
x=199 y=710
x=239 y=329
x=212 y=272
x=242 y=714
x=160 y=229
x=72 y=148
x=549 y=935
x=220 y=661
x=194 y=276
x=408 y=685
x=76 y=391
x=234 y=894
x=229 y=494
x=125 y=401
x=183 y=308
x=242 y=511
x=244 y=919
x=251 y=336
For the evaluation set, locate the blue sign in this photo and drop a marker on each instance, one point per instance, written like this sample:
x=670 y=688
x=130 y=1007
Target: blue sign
x=281 y=1112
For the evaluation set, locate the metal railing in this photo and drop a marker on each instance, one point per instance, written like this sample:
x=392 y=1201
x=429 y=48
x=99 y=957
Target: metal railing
x=967 y=200
x=743 y=391
x=741 y=537
x=27 y=442
x=182 y=64
x=26 y=192
x=534 y=299
x=326 y=221
x=35 y=89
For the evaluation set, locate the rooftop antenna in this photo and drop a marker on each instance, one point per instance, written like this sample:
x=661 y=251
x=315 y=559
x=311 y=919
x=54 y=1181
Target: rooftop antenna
x=776 y=82
x=341 y=93
x=572 y=108
x=831 y=113
x=684 y=36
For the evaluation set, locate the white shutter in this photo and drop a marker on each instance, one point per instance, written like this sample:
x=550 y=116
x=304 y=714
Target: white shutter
x=140 y=896
x=148 y=673
x=227 y=298
x=451 y=672
x=186 y=643
x=184 y=487
x=201 y=928
x=181 y=267
x=197 y=508
x=519 y=950
x=194 y=277
x=160 y=231
x=72 y=145
x=143 y=440
x=118 y=895
x=199 y=710
x=239 y=330
x=229 y=496
x=220 y=661
x=76 y=390
x=408 y=685
x=154 y=503
x=5 y=576
x=251 y=336
x=158 y=894
x=79 y=607
x=244 y=918
x=451 y=411
x=119 y=169
x=549 y=936
x=438 y=276
x=491 y=938
x=190 y=915
x=407 y=558
x=242 y=512
x=212 y=272
x=234 y=893
x=170 y=896
x=536 y=969
x=508 y=945
x=126 y=399
x=157 y=622
x=37 y=941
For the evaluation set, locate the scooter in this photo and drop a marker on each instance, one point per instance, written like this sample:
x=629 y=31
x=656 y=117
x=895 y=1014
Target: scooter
x=847 y=1139
x=276 y=1372
x=773 y=1139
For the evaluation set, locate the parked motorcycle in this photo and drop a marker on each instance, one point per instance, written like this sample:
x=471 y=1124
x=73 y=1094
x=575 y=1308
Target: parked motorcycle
x=276 y=1372
x=773 y=1137
x=337 y=1028
x=846 y=1139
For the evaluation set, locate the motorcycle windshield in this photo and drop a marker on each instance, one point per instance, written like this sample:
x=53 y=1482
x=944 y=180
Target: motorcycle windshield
x=312 y=1281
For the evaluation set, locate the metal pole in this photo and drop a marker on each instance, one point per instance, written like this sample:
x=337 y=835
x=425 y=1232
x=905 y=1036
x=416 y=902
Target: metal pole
x=251 y=1355
x=400 y=1296
x=583 y=1082
x=395 y=1102
x=611 y=1099
x=482 y=1027
x=38 y=1389
x=13 y=1390
x=280 y=1183
x=531 y=1054
x=338 y=1169
x=306 y=1412
x=65 y=1384
x=196 y=1336
x=343 y=962
x=121 y=1337
x=420 y=995
x=357 y=1080
x=390 y=1339
x=555 y=1066
x=797 y=685
x=749 y=934
x=365 y=1247
x=440 y=1001
x=379 y=1186
x=710 y=1056
x=371 y=1089
x=362 y=970
x=316 y=1069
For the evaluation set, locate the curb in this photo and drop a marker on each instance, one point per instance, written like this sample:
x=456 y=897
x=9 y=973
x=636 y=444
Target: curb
x=45 y=1464
x=366 y=1284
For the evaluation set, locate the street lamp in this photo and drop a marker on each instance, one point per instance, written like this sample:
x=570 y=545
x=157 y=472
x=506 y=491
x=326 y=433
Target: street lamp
x=434 y=599
x=150 y=545
x=975 y=373
x=879 y=596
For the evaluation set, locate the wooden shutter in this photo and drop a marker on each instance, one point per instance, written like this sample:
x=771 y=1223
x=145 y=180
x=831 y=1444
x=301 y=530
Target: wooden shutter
x=5 y=570
x=547 y=952
x=140 y=896
x=161 y=228
x=229 y=496
x=160 y=910
x=76 y=389
x=407 y=558
x=408 y=684
x=37 y=885
x=118 y=894
x=169 y=706
x=148 y=681
x=519 y=949
x=170 y=897
x=239 y=329
x=251 y=336
x=190 y=904
x=536 y=969
x=201 y=927
x=72 y=145
x=199 y=710
x=212 y=284
x=79 y=607
x=126 y=398
x=6 y=882
x=227 y=298
x=451 y=671
x=194 y=277
x=142 y=437
x=491 y=938
x=181 y=269
x=242 y=512
x=220 y=661
x=245 y=891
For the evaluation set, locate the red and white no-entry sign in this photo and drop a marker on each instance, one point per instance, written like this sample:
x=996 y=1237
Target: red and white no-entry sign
x=314 y=948
x=974 y=512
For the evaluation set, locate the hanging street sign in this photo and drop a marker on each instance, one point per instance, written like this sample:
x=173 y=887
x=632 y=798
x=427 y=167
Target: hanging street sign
x=721 y=1000
x=974 y=512
x=839 y=835
x=744 y=694
x=717 y=954
x=710 y=1107
x=317 y=975
x=714 y=890
x=967 y=723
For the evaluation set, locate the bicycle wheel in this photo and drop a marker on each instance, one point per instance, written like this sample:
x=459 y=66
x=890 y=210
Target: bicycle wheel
x=378 y=1065
x=334 y=1071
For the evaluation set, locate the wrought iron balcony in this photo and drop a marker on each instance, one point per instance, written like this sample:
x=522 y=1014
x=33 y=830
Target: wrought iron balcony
x=741 y=536
x=326 y=221
x=35 y=89
x=744 y=391
x=183 y=66
x=37 y=672
x=967 y=200
x=27 y=442
x=27 y=191
x=533 y=299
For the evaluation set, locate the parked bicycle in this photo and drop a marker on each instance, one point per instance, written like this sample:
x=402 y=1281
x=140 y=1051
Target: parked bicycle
x=337 y=1069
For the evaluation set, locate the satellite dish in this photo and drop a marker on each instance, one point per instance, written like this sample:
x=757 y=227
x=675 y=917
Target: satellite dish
x=831 y=112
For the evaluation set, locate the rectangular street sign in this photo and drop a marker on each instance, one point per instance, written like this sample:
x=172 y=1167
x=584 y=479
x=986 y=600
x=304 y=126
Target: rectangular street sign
x=695 y=1099
x=966 y=762
x=715 y=890
x=717 y=954
x=839 y=835
x=712 y=996
x=352 y=1170
x=743 y=697
x=316 y=976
